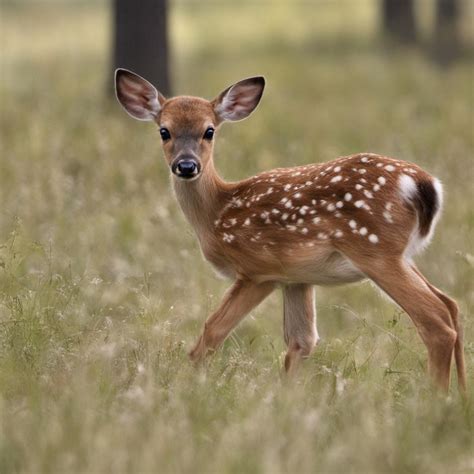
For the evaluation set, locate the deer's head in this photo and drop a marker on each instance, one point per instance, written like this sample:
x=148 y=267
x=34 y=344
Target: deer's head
x=186 y=124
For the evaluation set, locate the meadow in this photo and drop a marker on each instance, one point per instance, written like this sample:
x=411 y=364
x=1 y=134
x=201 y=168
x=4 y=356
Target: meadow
x=103 y=289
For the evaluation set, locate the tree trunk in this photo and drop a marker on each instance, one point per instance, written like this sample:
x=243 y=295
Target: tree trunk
x=447 y=41
x=141 y=40
x=398 y=18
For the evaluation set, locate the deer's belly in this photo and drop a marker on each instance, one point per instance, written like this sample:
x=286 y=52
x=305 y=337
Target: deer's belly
x=333 y=270
x=326 y=267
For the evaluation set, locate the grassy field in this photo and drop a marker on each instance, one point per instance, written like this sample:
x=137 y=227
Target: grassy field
x=103 y=288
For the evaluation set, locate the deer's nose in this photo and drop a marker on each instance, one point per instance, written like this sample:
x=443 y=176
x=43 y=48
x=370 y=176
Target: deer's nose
x=186 y=168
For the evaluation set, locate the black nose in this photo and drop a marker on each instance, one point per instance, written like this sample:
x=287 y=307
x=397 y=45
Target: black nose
x=185 y=168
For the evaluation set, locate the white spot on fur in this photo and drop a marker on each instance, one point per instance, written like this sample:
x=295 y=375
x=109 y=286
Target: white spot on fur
x=316 y=220
x=381 y=180
x=359 y=186
x=352 y=224
x=284 y=216
x=247 y=221
x=337 y=169
x=297 y=195
x=388 y=217
x=228 y=238
x=339 y=204
x=373 y=238
x=331 y=207
x=338 y=234
x=288 y=204
x=336 y=179
x=304 y=230
x=376 y=187
x=322 y=235
x=348 y=196
x=360 y=203
x=304 y=210
x=390 y=168
x=364 y=159
x=368 y=194
x=363 y=231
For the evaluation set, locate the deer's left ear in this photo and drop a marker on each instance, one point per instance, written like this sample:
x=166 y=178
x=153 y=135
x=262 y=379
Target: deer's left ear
x=239 y=100
x=137 y=96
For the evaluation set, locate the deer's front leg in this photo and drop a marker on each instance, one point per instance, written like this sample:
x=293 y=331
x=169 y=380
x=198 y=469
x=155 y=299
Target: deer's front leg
x=299 y=323
x=239 y=299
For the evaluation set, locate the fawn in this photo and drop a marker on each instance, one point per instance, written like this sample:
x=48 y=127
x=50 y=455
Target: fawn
x=357 y=217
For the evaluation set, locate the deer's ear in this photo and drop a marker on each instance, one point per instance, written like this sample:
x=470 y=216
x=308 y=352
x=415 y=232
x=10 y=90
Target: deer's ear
x=137 y=96
x=239 y=100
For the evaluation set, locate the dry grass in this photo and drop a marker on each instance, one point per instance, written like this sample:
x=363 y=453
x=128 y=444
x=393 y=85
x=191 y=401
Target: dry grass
x=103 y=288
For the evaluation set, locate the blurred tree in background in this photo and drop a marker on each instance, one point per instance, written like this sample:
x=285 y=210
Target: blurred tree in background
x=141 y=39
x=399 y=24
x=447 y=38
x=398 y=18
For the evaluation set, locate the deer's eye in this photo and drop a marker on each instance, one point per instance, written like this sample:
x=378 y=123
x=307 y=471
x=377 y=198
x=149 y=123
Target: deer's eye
x=209 y=134
x=165 y=134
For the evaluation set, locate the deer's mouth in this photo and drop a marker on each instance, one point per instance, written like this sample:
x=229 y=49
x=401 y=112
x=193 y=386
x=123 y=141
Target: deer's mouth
x=186 y=168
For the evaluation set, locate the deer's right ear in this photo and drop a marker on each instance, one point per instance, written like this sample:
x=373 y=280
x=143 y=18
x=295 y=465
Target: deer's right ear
x=137 y=96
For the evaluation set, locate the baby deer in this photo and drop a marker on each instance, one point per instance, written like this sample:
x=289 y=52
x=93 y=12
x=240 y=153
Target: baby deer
x=360 y=216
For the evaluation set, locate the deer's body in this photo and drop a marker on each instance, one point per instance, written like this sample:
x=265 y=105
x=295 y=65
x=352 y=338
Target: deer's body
x=293 y=224
x=360 y=216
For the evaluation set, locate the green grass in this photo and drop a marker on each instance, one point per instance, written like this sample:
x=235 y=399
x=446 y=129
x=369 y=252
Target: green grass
x=103 y=288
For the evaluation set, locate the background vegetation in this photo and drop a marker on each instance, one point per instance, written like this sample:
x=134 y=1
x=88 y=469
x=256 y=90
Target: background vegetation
x=103 y=289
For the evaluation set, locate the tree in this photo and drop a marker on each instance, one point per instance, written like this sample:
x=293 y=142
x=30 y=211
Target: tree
x=398 y=19
x=447 y=41
x=140 y=40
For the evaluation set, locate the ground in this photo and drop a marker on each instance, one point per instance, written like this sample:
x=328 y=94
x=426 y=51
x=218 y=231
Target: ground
x=103 y=289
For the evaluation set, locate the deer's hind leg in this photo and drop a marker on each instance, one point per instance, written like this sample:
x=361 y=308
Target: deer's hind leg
x=428 y=311
x=299 y=323
x=454 y=312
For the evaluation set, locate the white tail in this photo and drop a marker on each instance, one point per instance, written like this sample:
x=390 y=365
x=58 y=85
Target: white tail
x=360 y=216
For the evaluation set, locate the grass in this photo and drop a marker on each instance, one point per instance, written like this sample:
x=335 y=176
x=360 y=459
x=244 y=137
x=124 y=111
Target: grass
x=103 y=289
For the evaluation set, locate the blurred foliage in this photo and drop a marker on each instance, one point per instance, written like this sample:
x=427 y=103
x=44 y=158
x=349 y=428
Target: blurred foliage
x=102 y=286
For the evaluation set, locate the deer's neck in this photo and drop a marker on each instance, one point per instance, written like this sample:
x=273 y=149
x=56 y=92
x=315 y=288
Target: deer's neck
x=202 y=200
